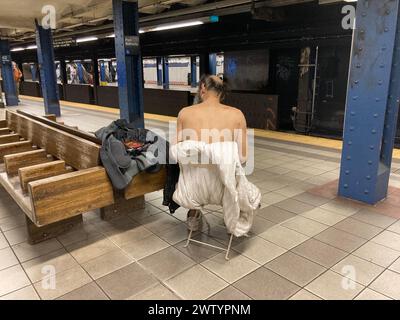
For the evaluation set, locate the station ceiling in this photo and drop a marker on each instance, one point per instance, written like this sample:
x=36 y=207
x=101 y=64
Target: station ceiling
x=17 y=16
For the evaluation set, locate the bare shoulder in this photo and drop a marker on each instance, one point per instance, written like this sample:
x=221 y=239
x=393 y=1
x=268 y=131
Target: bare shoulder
x=234 y=111
x=184 y=111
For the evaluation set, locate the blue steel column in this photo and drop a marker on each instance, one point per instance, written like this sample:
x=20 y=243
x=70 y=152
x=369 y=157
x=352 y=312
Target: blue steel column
x=7 y=74
x=47 y=68
x=193 y=71
x=165 y=73
x=372 y=102
x=204 y=64
x=213 y=63
x=1 y=97
x=159 y=66
x=129 y=61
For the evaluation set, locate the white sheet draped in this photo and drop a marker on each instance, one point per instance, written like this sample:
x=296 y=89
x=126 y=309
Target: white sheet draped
x=212 y=174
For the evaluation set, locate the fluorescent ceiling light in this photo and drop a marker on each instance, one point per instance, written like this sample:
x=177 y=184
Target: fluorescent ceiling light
x=17 y=49
x=177 y=25
x=86 y=39
x=149 y=29
x=31 y=47
x=113 y=35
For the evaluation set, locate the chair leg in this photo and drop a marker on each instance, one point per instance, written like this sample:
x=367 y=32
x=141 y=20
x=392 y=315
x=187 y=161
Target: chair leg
x=229 y=247
x=188 y=239
x=191 y=232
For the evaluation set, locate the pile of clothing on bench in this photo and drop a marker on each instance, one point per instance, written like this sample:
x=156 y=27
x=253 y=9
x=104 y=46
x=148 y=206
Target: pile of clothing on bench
x=127 y=150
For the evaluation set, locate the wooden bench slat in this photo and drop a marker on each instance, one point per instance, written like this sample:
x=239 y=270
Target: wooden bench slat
x=8 y=138
x=144 y=183
x=15 y=147
x=64 y=196
x=61 y=126
x=4 y=131
x=75 y=151
x=41 y=171
x=13 y=162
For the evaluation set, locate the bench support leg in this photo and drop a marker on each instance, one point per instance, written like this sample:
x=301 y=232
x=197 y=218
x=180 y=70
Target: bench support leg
x=39 y=234
x=121 y=207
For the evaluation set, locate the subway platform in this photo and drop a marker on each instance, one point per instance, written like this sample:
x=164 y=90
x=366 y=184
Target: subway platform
x=306 y=242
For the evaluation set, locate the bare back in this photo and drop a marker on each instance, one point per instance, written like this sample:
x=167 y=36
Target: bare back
x=213 y=123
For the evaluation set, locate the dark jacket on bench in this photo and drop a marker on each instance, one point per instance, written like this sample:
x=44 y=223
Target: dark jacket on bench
x=122 y=166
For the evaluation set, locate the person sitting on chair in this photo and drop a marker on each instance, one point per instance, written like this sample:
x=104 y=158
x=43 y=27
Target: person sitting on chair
x=210 y=121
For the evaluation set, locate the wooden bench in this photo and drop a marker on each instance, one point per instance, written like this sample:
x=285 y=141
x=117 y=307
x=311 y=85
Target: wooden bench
x=53 y=173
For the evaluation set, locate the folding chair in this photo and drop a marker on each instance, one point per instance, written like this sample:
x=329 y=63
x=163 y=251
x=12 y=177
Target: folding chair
x=189 y=239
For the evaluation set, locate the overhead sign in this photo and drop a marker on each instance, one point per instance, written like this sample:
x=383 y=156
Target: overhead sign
x=61 y=43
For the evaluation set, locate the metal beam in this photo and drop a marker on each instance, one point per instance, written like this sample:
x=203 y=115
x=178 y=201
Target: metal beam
x=10 y=90
x=47 y=68
x=372 y=102
x=204 y=64
x=212 y=68
x=165 y=71
x=193 y=71
x=159 y=66
x=96 y=78
x=129 y=61
x=1 y=98
x=64 y=77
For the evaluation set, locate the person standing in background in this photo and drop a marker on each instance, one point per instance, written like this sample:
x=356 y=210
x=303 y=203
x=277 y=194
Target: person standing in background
x=17 y=78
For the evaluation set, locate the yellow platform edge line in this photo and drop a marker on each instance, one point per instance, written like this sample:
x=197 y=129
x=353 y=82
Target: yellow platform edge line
x=275 y=135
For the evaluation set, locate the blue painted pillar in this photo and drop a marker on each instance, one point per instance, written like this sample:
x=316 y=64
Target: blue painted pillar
x=64 y=77
x=96 y=78
x=372 y=102
x=212 y=69
x=47 y=69
x=7 y=74
x=129 y=61
x=159 y=66
x=193 y=71
x=204 y=63
x=1 y=98
x=165 y=74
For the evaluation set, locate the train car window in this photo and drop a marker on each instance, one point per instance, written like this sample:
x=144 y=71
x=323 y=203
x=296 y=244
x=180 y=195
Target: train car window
x=30 y=71
x=58 y=72
x=150 y=71
x=80 y=72
x=108 y=72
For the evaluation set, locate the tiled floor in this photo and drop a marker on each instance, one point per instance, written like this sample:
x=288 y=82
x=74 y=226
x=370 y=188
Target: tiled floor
x=305 y=244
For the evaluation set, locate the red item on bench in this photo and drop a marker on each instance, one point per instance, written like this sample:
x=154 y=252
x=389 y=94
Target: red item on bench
x=132 y=144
